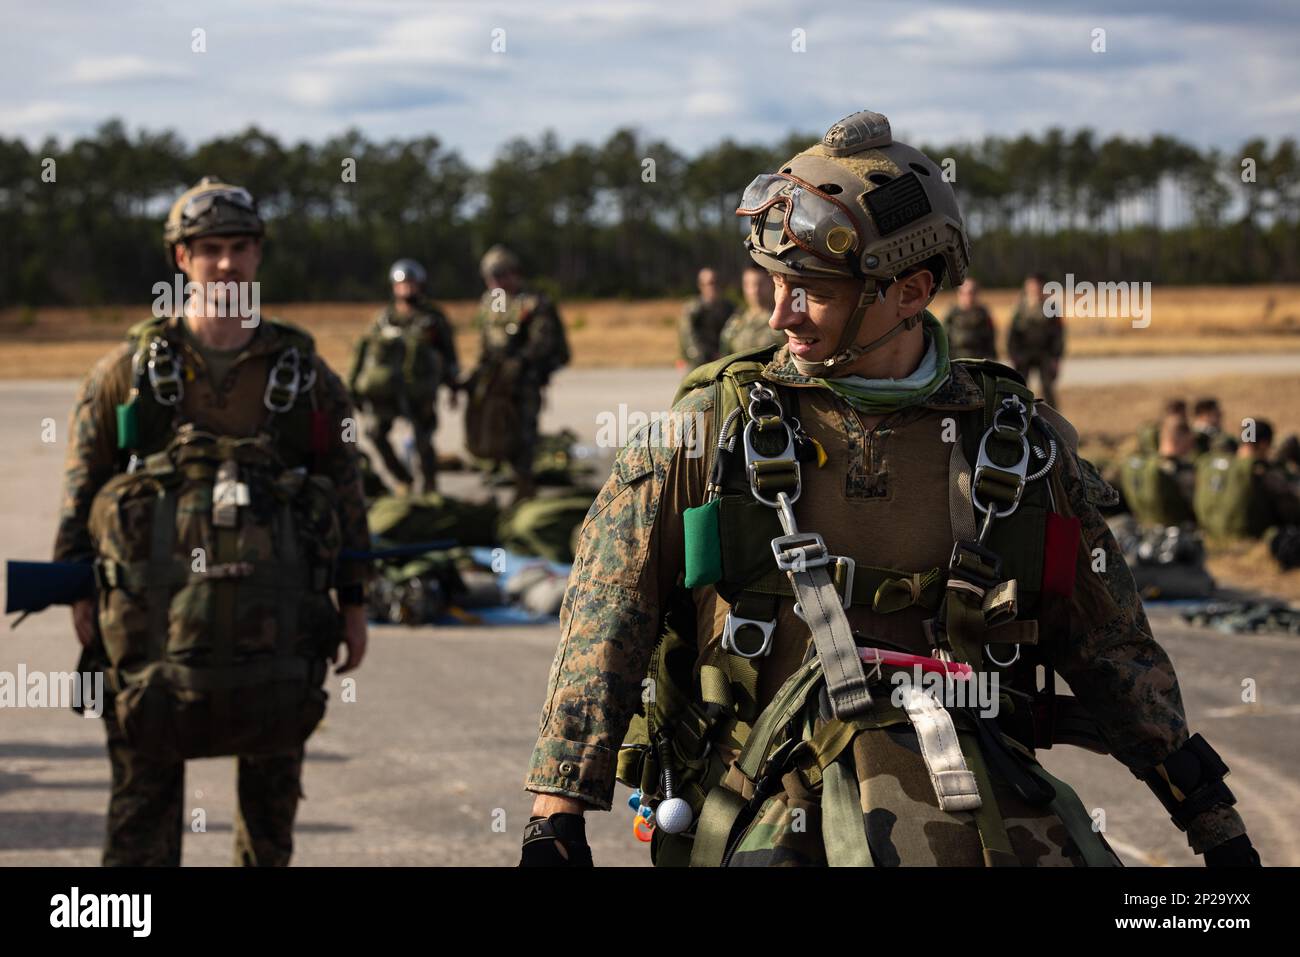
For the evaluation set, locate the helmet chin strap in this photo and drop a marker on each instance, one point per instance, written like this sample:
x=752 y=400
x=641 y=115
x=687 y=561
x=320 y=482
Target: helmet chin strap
x=845 y=351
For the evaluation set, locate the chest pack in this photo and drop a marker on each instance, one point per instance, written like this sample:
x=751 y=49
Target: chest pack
x=1228 y=502
x=1152 y=491
x=214 y=560
x=398 y=361
x=745 y=542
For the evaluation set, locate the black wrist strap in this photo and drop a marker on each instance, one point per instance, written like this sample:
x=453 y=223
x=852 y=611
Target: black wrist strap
x=1190 y=781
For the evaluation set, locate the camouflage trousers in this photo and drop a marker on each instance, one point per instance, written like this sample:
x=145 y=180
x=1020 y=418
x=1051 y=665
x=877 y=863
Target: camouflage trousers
x=900 y=819
x=146 y=808
x=377 y=422
x=529 y=405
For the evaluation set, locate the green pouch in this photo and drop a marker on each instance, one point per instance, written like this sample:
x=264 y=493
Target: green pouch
x=127 y=432
x=703 y=545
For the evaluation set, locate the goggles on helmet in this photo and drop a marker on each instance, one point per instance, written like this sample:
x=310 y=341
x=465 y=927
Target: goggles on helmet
x=811 y=219
x=207 y=204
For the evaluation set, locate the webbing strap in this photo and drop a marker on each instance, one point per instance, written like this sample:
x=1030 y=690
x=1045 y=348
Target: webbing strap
x=787 y=702
x=162 y=540
x=722 y=808
x=954 y=784
x=843 y=834
x=988 y=817
x=846 y=682
x=961 y=514
x=884 y=590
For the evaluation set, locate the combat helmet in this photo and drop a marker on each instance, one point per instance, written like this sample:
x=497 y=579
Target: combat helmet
x=498 y=260
x=407 y=270
x=212 y=207
x=856 y=205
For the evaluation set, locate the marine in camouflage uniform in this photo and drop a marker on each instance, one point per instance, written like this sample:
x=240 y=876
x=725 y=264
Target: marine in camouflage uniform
x=701 y=324
x=1036 y=340
x=748 y=329
x=223 y=393
x=521 y=333
x=417 y=320
x=630 y=563
x=969 y=325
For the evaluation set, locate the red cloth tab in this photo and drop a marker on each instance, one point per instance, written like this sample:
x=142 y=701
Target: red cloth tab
x=320 y=432
x=1060 y=554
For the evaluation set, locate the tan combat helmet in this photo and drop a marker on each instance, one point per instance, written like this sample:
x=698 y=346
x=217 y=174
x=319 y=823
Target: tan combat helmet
x=856 y=205
x=212 y=208
x=498 y=261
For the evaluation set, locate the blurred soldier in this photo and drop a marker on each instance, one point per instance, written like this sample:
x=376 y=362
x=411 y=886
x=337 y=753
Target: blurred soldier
x=748 y=329
x=969 y=325
x=1036 y=340
x=1243 y=494
x=397 y=368
x=523 y=344
x=702 y=322
x=770 y=736
x=210 y=477
x=1207 y=423
x=1288 y=458
x=1159 y=486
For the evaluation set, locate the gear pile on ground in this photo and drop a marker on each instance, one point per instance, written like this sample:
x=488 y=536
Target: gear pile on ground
x=1168 y=563
x=1246 y=615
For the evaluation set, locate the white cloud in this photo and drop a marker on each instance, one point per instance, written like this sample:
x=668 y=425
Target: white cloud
x=117 y=69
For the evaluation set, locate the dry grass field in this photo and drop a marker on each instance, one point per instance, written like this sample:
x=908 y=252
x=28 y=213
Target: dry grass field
x=57 y=343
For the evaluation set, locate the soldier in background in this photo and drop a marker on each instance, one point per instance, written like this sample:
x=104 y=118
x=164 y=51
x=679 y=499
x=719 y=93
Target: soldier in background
x=407 y=353
x=523 y=345
x=748 y=329
x=1207 y=423
x=1243 y=494
x=702 y=321
x=177 y=645
x=969 y=325
x=1036 y=340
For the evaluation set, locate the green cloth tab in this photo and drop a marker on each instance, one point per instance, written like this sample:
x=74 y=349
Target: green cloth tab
x=127 y=433
x=703 y=545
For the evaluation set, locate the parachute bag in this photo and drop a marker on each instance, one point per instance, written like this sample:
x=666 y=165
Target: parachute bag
x=492 y=424
x=214 y=564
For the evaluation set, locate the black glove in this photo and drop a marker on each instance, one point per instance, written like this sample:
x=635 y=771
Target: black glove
x=1237 y=852
x=540 y=838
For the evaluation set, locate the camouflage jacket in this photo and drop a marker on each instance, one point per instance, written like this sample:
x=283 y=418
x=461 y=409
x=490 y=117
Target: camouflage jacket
x=233 y=407
x=1035 y=335
x=748 y=329
x=631 y=555
x=527 y=327
x=700 y=326
x=436 y=338
x=970 y=333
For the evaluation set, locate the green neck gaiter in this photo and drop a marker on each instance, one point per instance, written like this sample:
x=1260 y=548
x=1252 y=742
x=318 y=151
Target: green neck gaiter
x=882 y=396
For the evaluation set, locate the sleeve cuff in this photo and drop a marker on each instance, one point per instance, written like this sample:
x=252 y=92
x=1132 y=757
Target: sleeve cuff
x=573 y=769
x=1212 y=827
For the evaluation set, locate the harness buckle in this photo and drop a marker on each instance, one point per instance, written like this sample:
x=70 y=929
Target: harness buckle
x=735 y=626
x=758 y=463
x=974 y=552
x=792 y=557
x=1005 y=475
x=164 y=373
x=283 y=384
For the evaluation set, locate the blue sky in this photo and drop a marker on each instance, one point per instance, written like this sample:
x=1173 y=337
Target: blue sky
x=690 y=72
